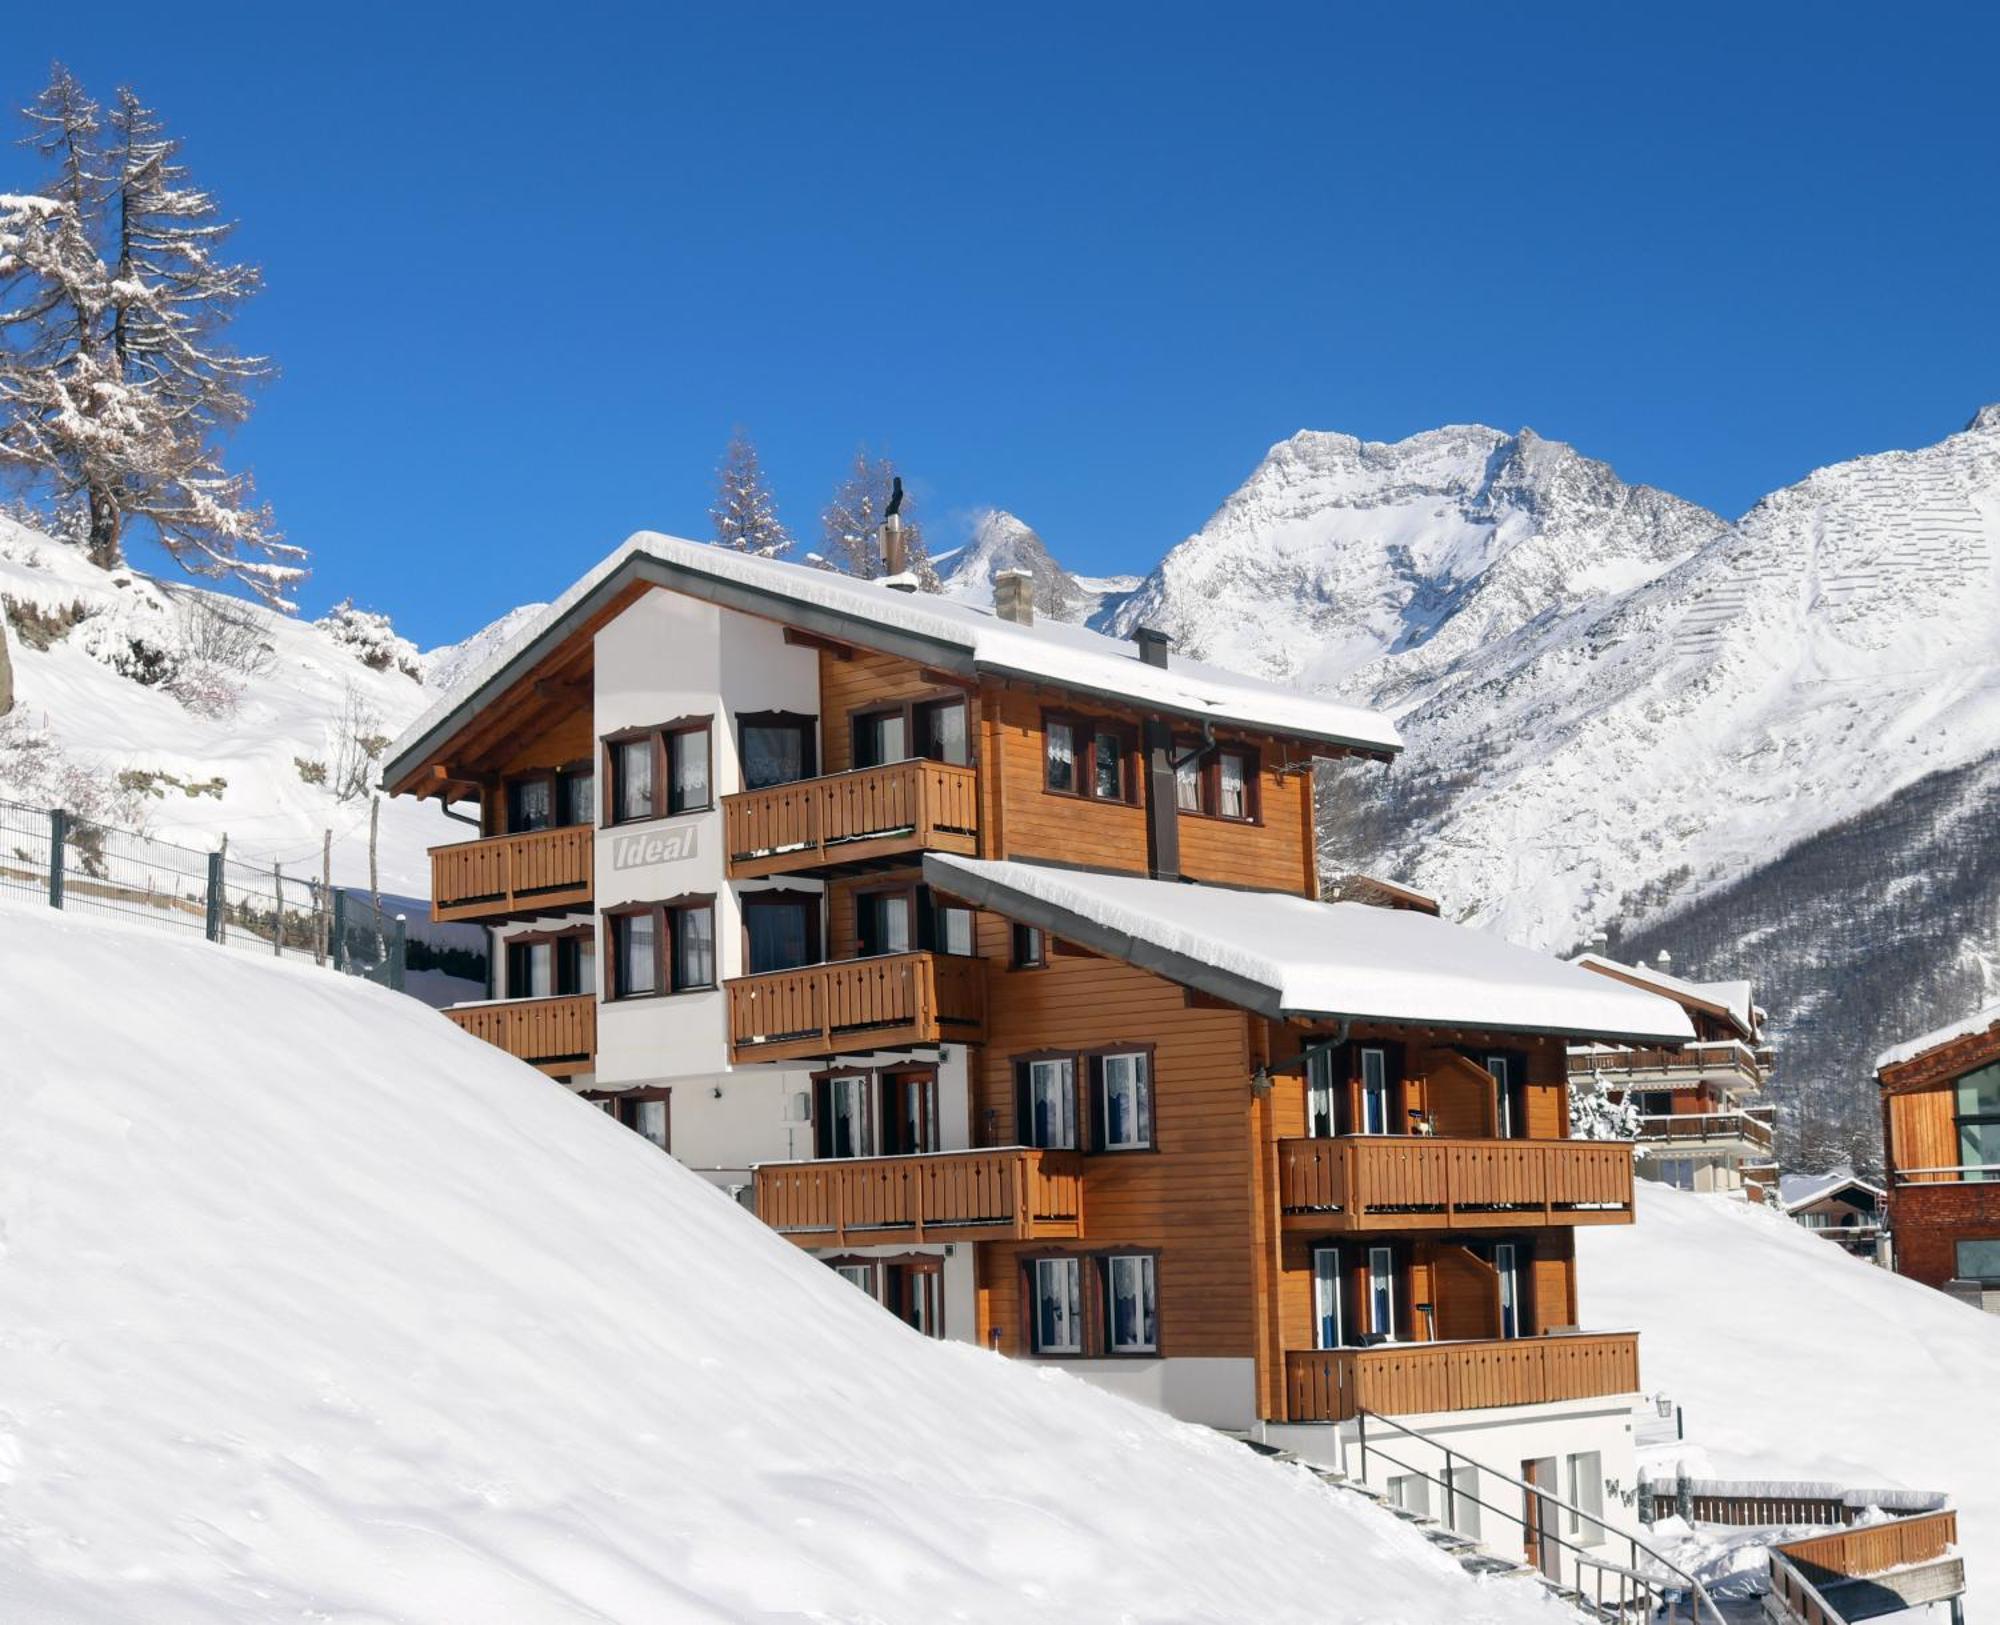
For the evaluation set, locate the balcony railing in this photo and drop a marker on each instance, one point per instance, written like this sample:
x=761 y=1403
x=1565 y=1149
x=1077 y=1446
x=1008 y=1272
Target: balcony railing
x=1016 y=1194
x=545 y=872
x=886 y=1002
x=1687 y=1127
x=1860 y=1573
x=557 y=1035
x=1380 y=1182
x=852 y=819
x=1416 y=1379
x=1707 y=1060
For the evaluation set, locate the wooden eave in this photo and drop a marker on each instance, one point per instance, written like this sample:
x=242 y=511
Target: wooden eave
x=1687 y=1001
x=1942 y=1065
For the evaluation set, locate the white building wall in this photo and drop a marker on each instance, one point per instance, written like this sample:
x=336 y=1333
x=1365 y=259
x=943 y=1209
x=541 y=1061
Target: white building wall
x=1217 y=1392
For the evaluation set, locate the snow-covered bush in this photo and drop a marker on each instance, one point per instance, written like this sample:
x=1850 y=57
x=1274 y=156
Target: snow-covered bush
x=40 y=625
x=1594 y=1115
x=220 y=633
x=371 y=639
x=37 y=771
x=206 y=689
x=132 y=652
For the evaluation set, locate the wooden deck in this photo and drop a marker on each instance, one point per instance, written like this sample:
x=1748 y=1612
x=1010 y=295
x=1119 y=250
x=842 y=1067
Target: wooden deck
x=557 y=1035
x=1735 y=1061
x=849 y=1005
x=852 y=820
x=1696 y=1128
x=505 y=876
x=1415 y=1379
x=1382 y=1182
x=1014 y=1194
x=1863 y=1573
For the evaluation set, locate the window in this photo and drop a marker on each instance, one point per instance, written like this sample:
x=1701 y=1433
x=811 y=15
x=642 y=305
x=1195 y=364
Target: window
x=1979 y=1124
x=1133 y=1315
x=1048 y=1103
x=1328 y=1286
x=1382 y=1291
x=860 y=1272
x=541 y=966
x=662 y=947
x=1675 y=1171
x=951 y=929
x=531 y=969
x=882 y=922
x=880 y=737
x=934 y=729
x=1463 y=1505
x=909 y=1111
x=1507 y=1080
x=1585 y=1477
x=913 y=1291
x=659 y=771
x=1218 y=782
x=644 y=1111
x=1508 y=1271
x=777 y=748
x=1031 y=948
x=578 y=787
x=1125 y=1121
x=1322 y=1095
x=1058 y=1306
x=1979 y=1260
x=531 y=805
x=1374 y=1091
x=1087 y=759
x=843 y=1116
x=1187 y=778
x=1232 y=784
x=940 y=731
x=780 y=930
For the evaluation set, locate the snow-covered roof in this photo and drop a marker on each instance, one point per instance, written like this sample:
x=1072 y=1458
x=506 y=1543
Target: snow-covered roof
x=1802 y=1190
x=1911 y=1048
x=1731 y=998
x=1284 y=955
x=942 y=631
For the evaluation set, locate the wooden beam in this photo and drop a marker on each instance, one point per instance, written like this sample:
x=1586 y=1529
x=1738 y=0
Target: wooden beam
x=812 y=640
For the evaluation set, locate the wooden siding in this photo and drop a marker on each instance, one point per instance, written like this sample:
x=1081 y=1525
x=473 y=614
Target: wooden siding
x=503 y=876
x=1190 y=1199
x=1923 y=1133
x=1018 y=1192
x=861 y=682
x=1855 y=1554
x=1418 y=1379
x=558 y=1035
x=839 y=1007
x=1383 y=1182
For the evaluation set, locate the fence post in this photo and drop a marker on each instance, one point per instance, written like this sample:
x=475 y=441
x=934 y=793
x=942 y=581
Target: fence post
x=211 y=926
x=278 y=919
x=340 y=930
x=58 y=836
x=1645 y=1497
x=398 y=953
x=1684 y=1494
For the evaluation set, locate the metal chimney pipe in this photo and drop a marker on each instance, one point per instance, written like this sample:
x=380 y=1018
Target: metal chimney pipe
x=894 y=556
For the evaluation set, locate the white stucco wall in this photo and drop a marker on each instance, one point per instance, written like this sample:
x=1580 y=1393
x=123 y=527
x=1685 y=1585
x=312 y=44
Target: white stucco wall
x=1218 y=1392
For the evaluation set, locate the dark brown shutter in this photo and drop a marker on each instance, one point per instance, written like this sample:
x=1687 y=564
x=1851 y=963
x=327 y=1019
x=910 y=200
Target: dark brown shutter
x=1090 y=1132
x=1024 y=1117
x=822 y=1118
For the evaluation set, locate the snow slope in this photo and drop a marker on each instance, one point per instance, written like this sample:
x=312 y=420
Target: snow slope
x=1792 y=1360
x=1001 y=542
x=314 y=1308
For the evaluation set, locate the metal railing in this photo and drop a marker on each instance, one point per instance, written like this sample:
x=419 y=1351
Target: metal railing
x=1639 y=1595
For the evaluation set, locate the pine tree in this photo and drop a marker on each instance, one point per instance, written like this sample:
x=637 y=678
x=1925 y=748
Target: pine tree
x=116 y=385
x=852 y=525
x=745 y=513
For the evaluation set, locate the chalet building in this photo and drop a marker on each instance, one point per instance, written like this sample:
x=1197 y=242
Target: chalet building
x=984 y=958
x=1941 y=1147
x=1841 y=1207
x=1702 y=1124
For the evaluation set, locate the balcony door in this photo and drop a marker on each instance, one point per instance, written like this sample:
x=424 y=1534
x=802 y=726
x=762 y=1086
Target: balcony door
x=1382 y=1293
x=780 y=930
x=778 y=747
x=1322 y=1095
x=910 y=1112
x=1329 y=1295
x=1375 y=1104
x=1507 y=1268
x=843 y=1115
x=1511 y=1095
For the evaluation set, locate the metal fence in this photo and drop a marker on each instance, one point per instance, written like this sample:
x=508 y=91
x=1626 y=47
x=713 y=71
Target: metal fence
x=76 y=863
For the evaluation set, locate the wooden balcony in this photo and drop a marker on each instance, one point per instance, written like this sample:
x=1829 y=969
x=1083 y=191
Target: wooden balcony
x=1381 y=1182
x=1015 y=1194
x=1706 y=1128
x=1736 y=1064
x=848 y=1005
x=1417 y=1379
x=852 y=820
x=1885 y=1568
x=505 y=876
x=557 y=1035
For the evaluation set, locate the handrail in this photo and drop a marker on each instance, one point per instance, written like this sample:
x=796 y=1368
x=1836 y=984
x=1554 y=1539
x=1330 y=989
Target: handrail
x=1782 y=1567
x=1705 y=1612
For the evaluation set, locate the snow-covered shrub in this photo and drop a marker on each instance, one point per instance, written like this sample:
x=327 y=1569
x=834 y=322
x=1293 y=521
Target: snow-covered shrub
x=36 y=770
x=222 y=634
x=206 y=689
x=310 y=771
x=40 y=625
x=134 y=654
x=1594 y=1115
x=371 y=639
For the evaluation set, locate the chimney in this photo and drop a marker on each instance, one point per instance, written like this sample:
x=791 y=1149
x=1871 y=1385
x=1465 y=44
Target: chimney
x=1153 y=645
x=1665 y=963
x=1600 y=943
x=895 y=560
x=1014 y=596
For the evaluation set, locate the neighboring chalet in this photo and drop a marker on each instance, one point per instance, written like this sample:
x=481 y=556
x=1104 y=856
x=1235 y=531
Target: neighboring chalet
x=983 y=956
x=1941 y=1147
x=1844 y=1208
x=1701 y=1125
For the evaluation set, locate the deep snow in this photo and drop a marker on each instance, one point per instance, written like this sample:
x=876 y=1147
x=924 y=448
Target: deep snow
x=313 y=1308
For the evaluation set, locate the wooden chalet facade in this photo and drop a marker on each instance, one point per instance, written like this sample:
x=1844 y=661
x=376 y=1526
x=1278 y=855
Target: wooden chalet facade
x=1941 y=1150
x=1702 y=1125
x=863 y=904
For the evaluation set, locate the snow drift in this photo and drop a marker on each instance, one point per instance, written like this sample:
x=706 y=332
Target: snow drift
x=312 y=1307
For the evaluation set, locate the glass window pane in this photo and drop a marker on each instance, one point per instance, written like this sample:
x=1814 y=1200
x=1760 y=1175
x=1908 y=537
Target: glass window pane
x=579 y=797
x=1979 y=1149
x=1234 y=783
x=649 y=1118
x=780 y=935
x=638 y=944
x=1132 y=1308
x=860 y=1275
x=687 y=756
x=530 y=806
x=1979 y=1093
x=1107 y=751
x=586 y=964
x=1979 y=1260
x=1327 y=1331
x=1061 y=755
x=694 y=947
x=632 y=760
x=1320 y=1094
x=1058 y=1306
x=1187 y=782
x=1052 y=1104
x=773 y=754
x=944 y=732
x=954 y=930
x=1127 y=1108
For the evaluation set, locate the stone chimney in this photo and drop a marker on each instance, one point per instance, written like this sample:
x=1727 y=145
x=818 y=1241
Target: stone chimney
x=1600 y=943
x=1153 y=645
x=1665 y=963
x=1014 y=596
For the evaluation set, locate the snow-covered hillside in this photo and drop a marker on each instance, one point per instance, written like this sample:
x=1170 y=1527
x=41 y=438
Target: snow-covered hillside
x=151 y=702
x=1792 y=1360
x=1002 y=542
x=314 y=1308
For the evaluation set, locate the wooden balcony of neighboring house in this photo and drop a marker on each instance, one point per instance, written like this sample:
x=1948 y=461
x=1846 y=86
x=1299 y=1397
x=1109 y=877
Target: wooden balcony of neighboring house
x=1865 y=1572
x=847 y=1006
x=1689 y=1129
x=1416 y=1379
x=847 y=822
x=1383 y=1182
x=546 y=871
x=558 y=1035
x=1016 y=1193
x=1735 y=1065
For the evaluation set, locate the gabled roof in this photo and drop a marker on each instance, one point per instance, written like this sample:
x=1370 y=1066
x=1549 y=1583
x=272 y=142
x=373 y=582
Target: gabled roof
x=1281 y=955
x=1797 y=1191
x=1911 y=1048
x=941 y=632
x=1729 y=1000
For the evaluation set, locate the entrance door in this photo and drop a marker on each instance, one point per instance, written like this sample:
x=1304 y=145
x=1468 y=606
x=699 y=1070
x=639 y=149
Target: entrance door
x=1538 y=1518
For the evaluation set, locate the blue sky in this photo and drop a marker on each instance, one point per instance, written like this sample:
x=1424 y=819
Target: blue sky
x=528 y=265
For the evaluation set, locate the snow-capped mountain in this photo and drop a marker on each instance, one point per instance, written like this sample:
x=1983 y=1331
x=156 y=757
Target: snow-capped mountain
x=1001 y=542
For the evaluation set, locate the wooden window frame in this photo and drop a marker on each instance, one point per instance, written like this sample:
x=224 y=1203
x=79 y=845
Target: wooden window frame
x=662 y=799
x=1091 y=1065
x=800 y=722
x=555 y=937
x=906 y=889
x=1079 y=1089
x=1016 y=958
x=1104 y=1260
x=666 y=935
x=1209 y=780
x=888 y=1076
x=784 y=898
x=1084 y=729
x=1093 y=1303
x=1030 y=1306
x=817 y=1084
x=907 y=708
x=636 y=1097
